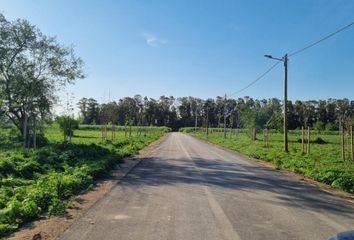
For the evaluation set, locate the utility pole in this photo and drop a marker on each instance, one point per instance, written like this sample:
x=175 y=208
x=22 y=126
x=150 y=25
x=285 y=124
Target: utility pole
x=285 y=60
x=225 y=117
x=286 y=103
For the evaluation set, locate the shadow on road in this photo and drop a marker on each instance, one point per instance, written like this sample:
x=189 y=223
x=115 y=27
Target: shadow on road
x=225 y=175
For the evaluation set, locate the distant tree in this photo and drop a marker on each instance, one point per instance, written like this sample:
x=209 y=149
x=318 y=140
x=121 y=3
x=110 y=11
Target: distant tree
x=83 y=106
x=108 y=112
x=330 y=127
x=185 y=111
x=319 y=126
x=92 y=114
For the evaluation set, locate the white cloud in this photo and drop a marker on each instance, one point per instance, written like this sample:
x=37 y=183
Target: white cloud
x=152 y=40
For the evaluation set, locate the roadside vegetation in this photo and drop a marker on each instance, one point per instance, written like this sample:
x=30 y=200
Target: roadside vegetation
x=35 y=182
x=324 y=162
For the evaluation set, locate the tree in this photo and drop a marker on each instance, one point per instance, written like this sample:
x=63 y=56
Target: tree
x=67 y=124
x=83 y=105
x=319 y=126
x=92 y=111
x=33 y=67
x=108 y=113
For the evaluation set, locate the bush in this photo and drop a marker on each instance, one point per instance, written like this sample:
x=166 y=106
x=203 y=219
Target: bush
x=57 y=207
x=27 y=168
x=7 y=166
x=7 y=228
x=345 y=182
x=319 y=126
x=29 y=209
x=319 y=141
x=330 y=127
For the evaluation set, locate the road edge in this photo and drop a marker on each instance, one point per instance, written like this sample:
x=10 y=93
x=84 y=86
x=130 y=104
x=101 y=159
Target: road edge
x=296 y=176
x=51 y=228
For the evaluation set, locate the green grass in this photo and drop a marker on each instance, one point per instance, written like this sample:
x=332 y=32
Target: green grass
x=42 y=181
x=324 y=163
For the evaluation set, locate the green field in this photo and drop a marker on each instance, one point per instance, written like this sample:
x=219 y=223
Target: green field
x=324 y=163
x=42 y=181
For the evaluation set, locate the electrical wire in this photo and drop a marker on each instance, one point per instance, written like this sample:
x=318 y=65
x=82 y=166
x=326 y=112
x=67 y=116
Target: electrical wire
x=321 y=40
x=256 y=80
x=292 y=54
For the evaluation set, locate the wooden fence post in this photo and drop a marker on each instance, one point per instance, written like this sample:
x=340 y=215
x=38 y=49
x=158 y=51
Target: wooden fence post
x=342 y=144
x=348 y=145
x=267 y=132
x=253 y=134
x=308 y=140
x=113 y=131
x=351 y=142
x=105 y=131
x=302 y=139
x=264 y=138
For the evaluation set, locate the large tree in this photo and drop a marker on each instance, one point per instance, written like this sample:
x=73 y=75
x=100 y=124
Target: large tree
x=33 y=67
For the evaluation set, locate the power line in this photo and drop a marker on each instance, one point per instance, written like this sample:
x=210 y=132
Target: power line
x=321 y=40
x=256 y=80
x=292 y=54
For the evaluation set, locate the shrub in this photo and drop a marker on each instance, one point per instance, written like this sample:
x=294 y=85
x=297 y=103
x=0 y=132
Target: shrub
x=330 y=127
x=29 y=209
x=319 y=126
x=7 y=228
x=345 y=182
x=27 y=168
x=57 y=207
x=319 y=140
x=7 y=166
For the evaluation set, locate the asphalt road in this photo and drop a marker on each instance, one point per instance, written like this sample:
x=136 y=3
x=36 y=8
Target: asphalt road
x=189 y=189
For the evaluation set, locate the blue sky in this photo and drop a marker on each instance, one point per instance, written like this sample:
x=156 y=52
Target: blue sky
x=200 y=48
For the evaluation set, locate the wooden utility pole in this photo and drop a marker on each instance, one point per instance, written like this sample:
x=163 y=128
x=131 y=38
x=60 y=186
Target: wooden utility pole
x=286 y=103
x=285 y=60
x=225 y=117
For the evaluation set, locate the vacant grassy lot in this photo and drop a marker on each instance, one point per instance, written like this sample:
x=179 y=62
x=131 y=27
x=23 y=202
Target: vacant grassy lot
x=42 y=181
x=324 y=163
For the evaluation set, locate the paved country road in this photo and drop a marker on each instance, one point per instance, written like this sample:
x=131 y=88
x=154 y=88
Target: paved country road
x=189 y=189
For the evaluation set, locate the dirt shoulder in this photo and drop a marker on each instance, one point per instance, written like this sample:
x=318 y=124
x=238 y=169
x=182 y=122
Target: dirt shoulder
x=337 y=192
x=51 y=227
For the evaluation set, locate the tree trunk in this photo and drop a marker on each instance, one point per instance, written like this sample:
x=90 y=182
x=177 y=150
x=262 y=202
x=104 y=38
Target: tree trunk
x=34 y=133
x=25 y=133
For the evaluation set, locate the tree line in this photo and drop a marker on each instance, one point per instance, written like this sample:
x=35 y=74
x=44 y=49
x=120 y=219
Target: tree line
x=244 y=112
